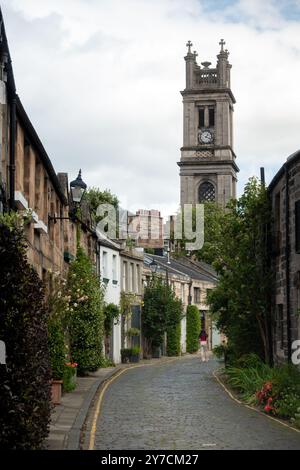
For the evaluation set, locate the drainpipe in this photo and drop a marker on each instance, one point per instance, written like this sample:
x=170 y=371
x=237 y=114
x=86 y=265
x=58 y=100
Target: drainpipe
x=12 y=152
x=287 y=265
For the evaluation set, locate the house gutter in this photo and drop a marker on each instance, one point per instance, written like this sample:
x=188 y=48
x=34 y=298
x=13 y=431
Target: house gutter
x=287 y=266
x=12 y=152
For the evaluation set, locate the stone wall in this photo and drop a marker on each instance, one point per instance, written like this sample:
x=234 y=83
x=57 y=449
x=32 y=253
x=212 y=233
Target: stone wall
x=284 y=193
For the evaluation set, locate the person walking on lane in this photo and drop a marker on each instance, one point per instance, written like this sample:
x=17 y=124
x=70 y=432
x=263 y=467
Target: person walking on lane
x=203 y=345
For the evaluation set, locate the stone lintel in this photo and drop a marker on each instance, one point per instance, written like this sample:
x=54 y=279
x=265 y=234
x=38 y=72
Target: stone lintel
x=207 y=91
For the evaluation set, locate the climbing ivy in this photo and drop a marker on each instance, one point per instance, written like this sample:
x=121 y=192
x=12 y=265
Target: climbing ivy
x=193 y=325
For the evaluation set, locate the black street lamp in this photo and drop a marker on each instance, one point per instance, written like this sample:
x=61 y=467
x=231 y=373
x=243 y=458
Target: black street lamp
x=77 y=189
x=153 y=266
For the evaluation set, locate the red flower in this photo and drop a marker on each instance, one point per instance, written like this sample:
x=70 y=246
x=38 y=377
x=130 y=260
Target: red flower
x=268 y=408
x=268 y=386
x=72 y=364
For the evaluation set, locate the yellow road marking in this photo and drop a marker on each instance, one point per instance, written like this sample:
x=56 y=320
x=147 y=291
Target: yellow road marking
x=107 y=383
x=252 y=407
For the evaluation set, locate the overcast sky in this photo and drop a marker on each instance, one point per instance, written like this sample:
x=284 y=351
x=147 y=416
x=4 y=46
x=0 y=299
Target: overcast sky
x=101 y=80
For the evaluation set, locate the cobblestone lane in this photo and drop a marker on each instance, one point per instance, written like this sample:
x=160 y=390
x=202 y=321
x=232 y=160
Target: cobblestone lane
x=180 y=406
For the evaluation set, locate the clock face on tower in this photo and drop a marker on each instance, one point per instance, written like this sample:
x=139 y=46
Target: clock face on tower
x=205 y=137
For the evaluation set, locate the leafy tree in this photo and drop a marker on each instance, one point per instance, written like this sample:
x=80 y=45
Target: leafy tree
x=162 y=311
x=241 y=300
x=86 y=314
x=95 y=197
x=212 y=231
x=25 y=382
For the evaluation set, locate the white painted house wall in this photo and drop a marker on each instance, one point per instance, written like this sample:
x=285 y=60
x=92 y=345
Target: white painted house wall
x=183 y=335
x=110 y=269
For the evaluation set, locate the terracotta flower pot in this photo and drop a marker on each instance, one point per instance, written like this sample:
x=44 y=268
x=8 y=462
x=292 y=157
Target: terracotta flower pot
x=56 y=392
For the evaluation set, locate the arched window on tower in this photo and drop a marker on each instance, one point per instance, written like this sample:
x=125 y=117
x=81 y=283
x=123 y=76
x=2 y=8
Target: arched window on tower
x=207 y=192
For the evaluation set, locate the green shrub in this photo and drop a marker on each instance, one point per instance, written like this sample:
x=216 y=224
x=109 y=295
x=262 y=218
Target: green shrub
x=249 y=360
x=106 y=362
x=69 y=378
x=56 y=340
x=174 y=340
x=193 y=325
x=286 y=389
x=135 y=351
x=133 y=332
x=125 y=354
x=296 y=419
x=220 y=351
x=86 y=314
x=250 y=380
x=25 y=383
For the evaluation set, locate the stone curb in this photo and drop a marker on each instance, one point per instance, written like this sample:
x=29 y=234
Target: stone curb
x=73 y=438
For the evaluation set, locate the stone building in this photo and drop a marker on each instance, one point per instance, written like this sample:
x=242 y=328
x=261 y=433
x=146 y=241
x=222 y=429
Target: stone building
x=131 y=260
x=208 y=171
x=284 y=192
x=146 y=228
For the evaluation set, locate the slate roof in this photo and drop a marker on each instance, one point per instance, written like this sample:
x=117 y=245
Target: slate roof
x=182 y=266
x=291 y=160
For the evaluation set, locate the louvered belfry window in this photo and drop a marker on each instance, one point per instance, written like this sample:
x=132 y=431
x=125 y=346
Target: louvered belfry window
x=207 y=192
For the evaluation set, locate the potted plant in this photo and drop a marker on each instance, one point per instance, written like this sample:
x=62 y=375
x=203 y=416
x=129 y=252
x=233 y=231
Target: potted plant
x=133 y=332
x=57 y=358
x=125 y=355
x=156 y=352
x=70 y=376
x=135 y=354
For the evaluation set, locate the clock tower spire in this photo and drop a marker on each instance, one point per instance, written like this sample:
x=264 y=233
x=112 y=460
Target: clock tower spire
x=207 y=166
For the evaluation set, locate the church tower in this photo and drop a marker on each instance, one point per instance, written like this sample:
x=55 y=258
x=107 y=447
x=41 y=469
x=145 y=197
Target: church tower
x=208 y=171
